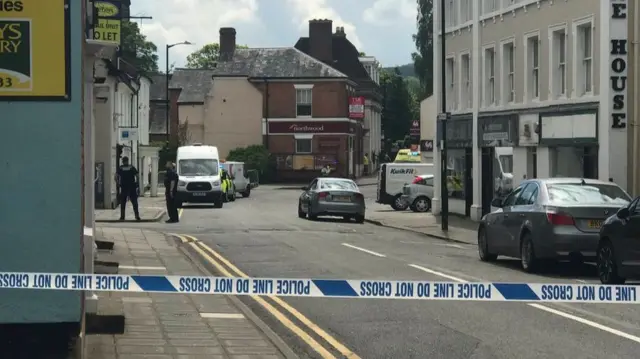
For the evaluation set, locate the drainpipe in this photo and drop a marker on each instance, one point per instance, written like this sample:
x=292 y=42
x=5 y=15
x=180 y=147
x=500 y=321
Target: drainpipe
x=636 y=88
x=266 y=111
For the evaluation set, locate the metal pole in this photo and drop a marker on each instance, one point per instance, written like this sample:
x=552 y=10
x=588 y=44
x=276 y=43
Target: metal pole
x=444 y=190
x=167 y=91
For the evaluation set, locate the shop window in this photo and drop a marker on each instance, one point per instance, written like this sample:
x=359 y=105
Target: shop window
x=303 y=102
x=304 y=145
x=456 y=173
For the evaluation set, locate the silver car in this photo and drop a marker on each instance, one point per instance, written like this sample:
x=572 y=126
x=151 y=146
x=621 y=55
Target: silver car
x=558 y=218
x=419 y=193
x=327 y=196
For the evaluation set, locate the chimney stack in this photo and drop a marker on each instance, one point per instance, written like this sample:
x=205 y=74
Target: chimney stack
x=227 y=43
x=321 y=40
x=340 y=32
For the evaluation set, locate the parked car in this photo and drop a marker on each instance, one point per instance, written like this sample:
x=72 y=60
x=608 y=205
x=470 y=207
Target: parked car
x=557 y=218
x=418 y=194
x=619 y=246
x=327 y=196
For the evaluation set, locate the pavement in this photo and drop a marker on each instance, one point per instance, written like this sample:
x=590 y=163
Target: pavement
x=152 y=209
x=262 y=236
x=174 y=326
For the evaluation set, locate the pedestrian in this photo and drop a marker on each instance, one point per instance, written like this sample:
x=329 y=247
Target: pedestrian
x=365 y=161
x=326 y=170
x=170 y=192
x=128 y=182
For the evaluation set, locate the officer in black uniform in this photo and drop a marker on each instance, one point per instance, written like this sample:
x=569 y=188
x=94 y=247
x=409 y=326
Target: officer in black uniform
x=171 y=189
x=127 y=180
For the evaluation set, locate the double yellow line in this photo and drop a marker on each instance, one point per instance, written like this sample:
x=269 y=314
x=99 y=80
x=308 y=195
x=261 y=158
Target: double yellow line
x=217 y=260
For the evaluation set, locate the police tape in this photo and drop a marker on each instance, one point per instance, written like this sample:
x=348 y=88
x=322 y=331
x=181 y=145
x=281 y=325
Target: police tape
x=325 y=288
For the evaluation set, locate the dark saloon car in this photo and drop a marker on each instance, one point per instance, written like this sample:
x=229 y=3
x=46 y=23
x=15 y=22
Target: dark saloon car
x=619 y=246
x=556 y=218
x=326 y=196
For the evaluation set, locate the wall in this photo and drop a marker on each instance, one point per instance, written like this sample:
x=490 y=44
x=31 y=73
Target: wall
x=193 y=116
x=233 y=115
x=105 y=130
x=329 y=99
x=41 y=221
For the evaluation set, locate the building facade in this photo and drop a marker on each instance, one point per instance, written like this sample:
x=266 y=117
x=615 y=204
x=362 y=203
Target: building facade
x=335 y=50
x=294 y=104
x=536 y=88
x=372 y=111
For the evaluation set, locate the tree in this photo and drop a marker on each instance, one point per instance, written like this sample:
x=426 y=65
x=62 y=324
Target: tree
x=136 y=50
x=397 y=112
x=206 y=57
x=423 y=59
x=362 y=54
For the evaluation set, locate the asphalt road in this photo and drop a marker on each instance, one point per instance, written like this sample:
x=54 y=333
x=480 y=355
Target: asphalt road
x=263 y=237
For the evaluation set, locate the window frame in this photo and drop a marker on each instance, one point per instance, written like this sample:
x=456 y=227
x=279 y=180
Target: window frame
x=489 y=85
x=296 y=150
x=531 y=41
x=305 y=90
x=507 y=70
x=450 y=66
x=466 y=80
x=583 y=69
x=558 y=60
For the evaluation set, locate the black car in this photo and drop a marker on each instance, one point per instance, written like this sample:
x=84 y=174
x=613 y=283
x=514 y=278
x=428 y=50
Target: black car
x=618 y=256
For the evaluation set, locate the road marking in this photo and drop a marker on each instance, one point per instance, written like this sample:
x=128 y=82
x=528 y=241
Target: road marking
x=324 y=353
x=449 y=245
x=364 y=250
x=142 y=268
x=546 y=309
x=346 y=352
x=180 y=210
x=222 y=315
x=581 y=281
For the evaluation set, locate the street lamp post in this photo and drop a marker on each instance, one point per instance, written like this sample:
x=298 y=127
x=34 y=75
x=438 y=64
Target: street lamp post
x=443 y=118
x=168 y=102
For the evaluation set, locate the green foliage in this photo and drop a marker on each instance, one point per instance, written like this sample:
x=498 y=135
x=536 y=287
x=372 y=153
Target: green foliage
x=400 y=106
x=423 y=58
x=406 y=70
x=136 y=50
x=255 y=157
x=206 y=57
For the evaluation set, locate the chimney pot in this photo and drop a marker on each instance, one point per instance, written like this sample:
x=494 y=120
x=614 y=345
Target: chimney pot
x=227 y=43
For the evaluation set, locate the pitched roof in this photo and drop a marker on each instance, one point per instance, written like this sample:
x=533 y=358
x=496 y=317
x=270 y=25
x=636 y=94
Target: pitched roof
x=195 y=84
x=284 y=62
x=346 y=60
x=157 y=92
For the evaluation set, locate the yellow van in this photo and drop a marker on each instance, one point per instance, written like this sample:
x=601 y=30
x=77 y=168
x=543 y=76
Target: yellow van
x=407 y=156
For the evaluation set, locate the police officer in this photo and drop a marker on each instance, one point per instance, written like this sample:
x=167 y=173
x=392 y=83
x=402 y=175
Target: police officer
x=127 y=180
x=171 y=189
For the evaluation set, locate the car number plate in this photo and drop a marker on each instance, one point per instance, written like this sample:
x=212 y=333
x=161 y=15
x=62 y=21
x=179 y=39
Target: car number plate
x=200 y=194
x=595 y=224
x=342 y=198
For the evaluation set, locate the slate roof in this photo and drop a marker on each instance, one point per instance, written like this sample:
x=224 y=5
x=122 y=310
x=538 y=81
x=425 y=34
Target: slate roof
x=158 y=89
x=285 y=62
x=346 y=60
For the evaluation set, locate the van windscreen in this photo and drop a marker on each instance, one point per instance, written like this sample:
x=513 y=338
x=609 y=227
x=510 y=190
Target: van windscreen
x=198 y=167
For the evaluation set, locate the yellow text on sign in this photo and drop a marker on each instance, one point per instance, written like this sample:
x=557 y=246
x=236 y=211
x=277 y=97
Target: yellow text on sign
x=32 y=49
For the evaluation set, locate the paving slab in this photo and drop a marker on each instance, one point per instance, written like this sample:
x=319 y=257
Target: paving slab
x=171 y=325
x=152 y=209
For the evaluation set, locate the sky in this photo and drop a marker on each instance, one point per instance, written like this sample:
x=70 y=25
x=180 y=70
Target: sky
x=380 y=28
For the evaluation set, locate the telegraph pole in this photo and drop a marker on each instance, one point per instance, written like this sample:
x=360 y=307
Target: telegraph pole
x=443 y=117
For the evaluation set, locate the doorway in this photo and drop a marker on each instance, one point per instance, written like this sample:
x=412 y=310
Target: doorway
x=468 y=183
x=487 y=179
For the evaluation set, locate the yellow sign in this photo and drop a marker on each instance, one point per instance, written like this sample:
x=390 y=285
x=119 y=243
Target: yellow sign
x=34 y=50
x=108 y=27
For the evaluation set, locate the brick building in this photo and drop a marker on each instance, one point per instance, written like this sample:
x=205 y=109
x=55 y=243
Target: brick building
x=294 y=104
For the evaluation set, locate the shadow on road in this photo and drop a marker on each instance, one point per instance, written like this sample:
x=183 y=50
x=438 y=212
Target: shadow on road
x=553 y=269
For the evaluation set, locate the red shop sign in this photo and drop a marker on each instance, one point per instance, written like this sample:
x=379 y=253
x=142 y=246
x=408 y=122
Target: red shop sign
x=356 y=107
x=309 y=127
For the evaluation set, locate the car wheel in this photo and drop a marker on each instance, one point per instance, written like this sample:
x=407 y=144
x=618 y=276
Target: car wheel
x=312 y=216
x=360 y=218
x=301 y=213
x=606 y=264
x=247 y=193
x=399 y=204
x=421 y=204
x=346 y=218
x=483 y=247
x=233 y=197
x=528 y=258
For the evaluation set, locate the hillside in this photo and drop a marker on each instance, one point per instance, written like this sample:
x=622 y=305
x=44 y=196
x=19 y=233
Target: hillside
x=405 y=70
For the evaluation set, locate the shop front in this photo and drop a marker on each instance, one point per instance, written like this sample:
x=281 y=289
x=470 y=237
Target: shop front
x=568 y=145
x=497 y=137
x=459 y=163
x=302 y=148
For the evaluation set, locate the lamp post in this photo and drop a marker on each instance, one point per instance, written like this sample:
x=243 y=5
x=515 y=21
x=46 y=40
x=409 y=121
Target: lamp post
x=167 y=84
x=443 y=117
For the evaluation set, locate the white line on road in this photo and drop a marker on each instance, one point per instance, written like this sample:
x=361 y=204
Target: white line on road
x=449 y=245
x=364 y=250
x=544 y=308
x=142 y=268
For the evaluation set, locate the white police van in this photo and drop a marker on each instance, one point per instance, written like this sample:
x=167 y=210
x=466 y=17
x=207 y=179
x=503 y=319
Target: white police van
x=198 y=168
x=393 y=176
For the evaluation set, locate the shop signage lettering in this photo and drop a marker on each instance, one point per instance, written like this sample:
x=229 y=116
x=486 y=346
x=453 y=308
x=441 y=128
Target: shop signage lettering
x=108 y=27
x=618 y=63
x=306 y=128
x=33 y=51
x=402 y=171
